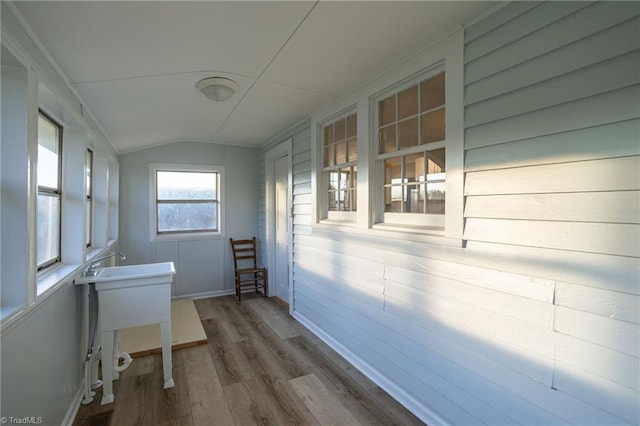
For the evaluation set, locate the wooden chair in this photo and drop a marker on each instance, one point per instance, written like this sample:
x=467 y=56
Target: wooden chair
x=247 y=272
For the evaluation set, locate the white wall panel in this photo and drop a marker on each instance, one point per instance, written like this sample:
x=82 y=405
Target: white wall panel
x=598 y=47
x=605 y=207
x=532 y=321
x=616 y=174
x=609 y=304
x=619 y=139
x=586 y=21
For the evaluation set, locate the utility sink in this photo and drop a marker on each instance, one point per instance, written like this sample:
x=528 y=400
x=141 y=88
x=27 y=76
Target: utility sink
x=130 y=275
x=131 y=296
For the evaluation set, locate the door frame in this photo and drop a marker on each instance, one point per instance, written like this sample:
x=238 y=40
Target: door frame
x=283 y=149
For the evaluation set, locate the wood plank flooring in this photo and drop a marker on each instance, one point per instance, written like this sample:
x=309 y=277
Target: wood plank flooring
x=259 y=367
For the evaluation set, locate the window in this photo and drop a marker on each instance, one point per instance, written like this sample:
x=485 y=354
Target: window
x=410 y=150
x=88 y=209
x=411 y=139
x=186 y=201
x=49 y=167
x=340 y=156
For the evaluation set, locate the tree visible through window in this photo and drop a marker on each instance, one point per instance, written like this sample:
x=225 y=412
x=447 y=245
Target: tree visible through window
x=187 y=201
x=49 y=191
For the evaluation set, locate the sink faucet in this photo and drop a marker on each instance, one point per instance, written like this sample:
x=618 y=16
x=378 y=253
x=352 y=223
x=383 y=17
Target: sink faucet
x=92 y=269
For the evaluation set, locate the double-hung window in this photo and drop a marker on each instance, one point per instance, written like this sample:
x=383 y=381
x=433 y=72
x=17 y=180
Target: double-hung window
x=411 y=143
x=185 y=201
x=49 y=172
x=409 y=162
x=88 y=209
x=339 y=173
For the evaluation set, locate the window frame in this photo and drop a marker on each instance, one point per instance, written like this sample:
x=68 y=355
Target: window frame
x=181 y=235
x=447 y=54
x=428 y=221
x=345 y=216
x=89 y=188
x=42 y=190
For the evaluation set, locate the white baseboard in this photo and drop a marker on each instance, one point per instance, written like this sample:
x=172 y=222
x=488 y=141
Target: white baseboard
x=425 y=414
x=72 y=411
x=217 y=293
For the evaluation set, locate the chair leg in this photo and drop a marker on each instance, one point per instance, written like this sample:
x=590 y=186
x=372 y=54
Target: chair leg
x=265 y=283
x=238 y=286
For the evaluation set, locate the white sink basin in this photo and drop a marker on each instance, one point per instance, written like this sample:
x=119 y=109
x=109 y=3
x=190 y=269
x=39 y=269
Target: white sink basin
x=130 y=275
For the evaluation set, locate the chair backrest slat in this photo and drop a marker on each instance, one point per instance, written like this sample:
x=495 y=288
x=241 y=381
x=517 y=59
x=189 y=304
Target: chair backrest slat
x=244 y=250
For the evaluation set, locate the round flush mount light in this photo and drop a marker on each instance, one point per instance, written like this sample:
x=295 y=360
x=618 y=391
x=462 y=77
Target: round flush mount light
x=218 y=89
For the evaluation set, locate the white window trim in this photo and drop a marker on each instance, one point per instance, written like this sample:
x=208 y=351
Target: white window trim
x=183 y=236
x=431 y=222
x=327 y=216
x=449 y=54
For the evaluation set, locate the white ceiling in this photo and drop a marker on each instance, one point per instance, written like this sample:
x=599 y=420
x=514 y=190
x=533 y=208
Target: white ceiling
x=135 y=63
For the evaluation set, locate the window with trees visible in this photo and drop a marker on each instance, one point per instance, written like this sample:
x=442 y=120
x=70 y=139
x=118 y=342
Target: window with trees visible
x=49 y=172
x=187 y=201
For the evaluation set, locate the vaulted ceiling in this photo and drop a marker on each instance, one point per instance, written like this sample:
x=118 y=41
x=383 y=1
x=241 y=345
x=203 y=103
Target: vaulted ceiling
x=135 y=63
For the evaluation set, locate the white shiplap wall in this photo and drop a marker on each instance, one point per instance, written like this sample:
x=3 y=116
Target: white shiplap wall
x=536 y=320
x=552 y=162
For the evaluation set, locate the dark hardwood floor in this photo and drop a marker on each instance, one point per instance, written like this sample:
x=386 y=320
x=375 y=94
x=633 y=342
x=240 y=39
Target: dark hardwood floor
x=260 y=367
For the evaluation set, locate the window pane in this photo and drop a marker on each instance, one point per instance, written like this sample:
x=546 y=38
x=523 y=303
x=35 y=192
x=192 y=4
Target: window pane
x=392 y=170
x=334 y=180
x=352 y=150
x=436 y=161
x=48 y=228
x=345 y=178
x=408 y=133
x=387 y=138
x=186 y=185
x=435 y=197
x=433 y=126
x=432 y=92
x=352 y=125
x=341 y=130
x=341 y=152
x=334 y=200
x=387 y=110
x=87 y=222
x=88 y=168
x=187 y=217
x=48 y=151
x=328 y=135
x=408 y=102
x=329 y=156
x=436 y=181
x=414 y=203
x=414 y=168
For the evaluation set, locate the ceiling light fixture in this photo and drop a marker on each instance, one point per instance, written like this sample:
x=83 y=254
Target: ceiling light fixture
x=218 y=89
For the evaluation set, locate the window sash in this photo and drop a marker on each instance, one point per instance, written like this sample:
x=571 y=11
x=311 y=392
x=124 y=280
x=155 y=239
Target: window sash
x=188 y=226
x=50 y=241
x=89 y=201
x=338 y=139
x=55 y=192
x=417 y=211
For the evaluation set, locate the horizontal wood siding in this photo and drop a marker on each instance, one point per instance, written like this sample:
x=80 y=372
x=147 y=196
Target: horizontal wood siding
x=535 y=320
x=552 y=160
